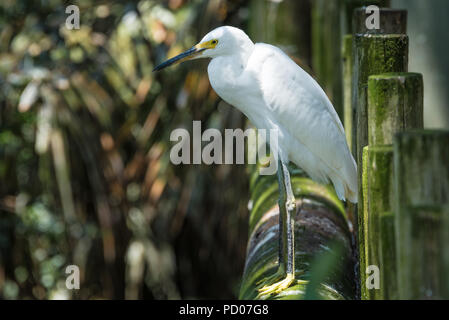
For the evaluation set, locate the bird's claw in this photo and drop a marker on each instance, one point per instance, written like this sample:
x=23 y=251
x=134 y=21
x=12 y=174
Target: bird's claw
x=291 y=205
x=277 y=287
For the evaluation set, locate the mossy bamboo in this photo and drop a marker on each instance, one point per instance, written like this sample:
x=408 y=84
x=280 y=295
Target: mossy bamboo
x=395 y=103
x=421 y=169
x=320 y=222
x=374 y=54
x=379 y=200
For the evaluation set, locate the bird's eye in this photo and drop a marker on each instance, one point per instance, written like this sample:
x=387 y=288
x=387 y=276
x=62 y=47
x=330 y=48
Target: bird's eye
x=214 y=41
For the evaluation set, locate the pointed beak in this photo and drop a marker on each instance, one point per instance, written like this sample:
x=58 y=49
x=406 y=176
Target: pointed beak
x=187 y=55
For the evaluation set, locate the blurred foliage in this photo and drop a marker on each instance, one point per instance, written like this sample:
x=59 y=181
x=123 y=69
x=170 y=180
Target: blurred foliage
x=85 y=176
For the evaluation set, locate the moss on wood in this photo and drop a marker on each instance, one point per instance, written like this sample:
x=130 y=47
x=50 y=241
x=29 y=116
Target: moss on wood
x=395 y=103
x=320 y=221
x=422 y=213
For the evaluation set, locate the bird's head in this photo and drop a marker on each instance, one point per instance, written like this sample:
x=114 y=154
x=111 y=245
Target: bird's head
x=219 y=42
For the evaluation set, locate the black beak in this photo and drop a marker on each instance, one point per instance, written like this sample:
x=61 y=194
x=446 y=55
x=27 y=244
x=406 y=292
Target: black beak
x=187 y=55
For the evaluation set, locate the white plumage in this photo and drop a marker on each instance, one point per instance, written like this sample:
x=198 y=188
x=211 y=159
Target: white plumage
x=275 y=93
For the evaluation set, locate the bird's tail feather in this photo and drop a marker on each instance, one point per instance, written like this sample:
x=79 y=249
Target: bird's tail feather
x=344 y=190
x=352 y=196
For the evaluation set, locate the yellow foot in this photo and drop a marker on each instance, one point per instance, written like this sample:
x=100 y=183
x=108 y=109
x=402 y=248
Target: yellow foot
x=291 y=205
x=278 y=287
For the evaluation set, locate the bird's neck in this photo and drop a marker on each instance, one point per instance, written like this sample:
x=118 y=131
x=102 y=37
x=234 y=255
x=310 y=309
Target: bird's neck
x=246 y=52
x=235 y=62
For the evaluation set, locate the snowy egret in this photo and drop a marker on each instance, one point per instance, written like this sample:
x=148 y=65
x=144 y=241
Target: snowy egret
x=275 y=93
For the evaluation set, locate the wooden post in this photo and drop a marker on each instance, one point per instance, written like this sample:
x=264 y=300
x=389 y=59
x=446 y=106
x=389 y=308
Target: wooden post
x=373 y=54
x=351 y=5
x=395 y=103
x=421 y=165
x=392 y=21
x=378 y=194
x=320 y=222
x=362 y=229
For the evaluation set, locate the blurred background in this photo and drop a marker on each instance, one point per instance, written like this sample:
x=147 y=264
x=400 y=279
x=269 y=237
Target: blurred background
x=85 y=174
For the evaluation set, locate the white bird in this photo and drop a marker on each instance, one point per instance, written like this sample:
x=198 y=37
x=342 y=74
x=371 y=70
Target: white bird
x=276 y=94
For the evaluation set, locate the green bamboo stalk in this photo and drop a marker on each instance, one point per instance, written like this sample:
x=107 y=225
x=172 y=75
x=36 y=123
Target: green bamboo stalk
x=421 y=161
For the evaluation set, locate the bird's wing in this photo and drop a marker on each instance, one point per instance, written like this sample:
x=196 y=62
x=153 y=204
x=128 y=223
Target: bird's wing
x=300 y=106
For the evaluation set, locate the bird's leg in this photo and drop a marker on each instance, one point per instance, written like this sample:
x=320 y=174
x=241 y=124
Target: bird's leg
x=287 y=212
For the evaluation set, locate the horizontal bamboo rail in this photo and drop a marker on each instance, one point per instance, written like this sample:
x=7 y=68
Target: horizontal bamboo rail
x=321 y=226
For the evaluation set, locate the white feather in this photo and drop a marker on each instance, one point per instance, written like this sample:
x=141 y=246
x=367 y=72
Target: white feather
x=275 y=93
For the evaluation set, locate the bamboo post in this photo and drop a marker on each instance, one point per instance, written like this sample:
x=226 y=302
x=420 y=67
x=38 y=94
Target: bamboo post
x=320 y=222
x=395 y=103
x=378 y=187
x=391 y=21
x=362 y=233
x=373 y=54
x=421 y=165
x=351 y=5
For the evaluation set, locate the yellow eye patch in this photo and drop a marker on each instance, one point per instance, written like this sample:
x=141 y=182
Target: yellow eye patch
x=207 y=45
